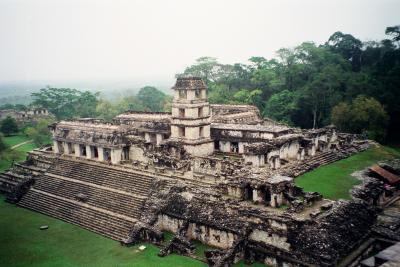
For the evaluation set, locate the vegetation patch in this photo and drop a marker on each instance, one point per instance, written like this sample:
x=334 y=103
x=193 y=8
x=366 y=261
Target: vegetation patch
x=334 y=181
x=63 y=244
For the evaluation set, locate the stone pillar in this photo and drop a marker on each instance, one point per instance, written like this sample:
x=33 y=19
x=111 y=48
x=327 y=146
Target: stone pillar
x=159 y=138
x=147 y=137
x=241 y=148
x=89 y=153
x=261 y=160
x=77 y=150
x=274 y=200
x=66 y=148
x=257 y=196
x=116 y=155
x=55 y=147
x=100 y=150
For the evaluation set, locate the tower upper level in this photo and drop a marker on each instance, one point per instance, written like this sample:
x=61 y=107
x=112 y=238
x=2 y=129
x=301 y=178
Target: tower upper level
x=190 y=89
x=190 y=122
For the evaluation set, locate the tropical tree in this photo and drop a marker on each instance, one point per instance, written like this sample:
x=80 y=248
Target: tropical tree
x=8 y=126
x=281 y=106
x=66 y=102
x=364 y=115
x=152 y=98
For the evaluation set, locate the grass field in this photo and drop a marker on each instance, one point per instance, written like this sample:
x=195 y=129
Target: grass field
x=22 y=244
x=334 y=181
x=12 y=141
x=63 y=244
x=15 y=139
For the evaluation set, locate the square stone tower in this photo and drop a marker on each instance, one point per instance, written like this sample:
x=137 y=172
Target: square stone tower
x=191 y=119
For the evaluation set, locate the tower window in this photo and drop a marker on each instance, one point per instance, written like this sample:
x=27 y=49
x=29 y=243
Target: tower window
x=200 y=112
x=181 y=131
x=182 y=94
x=197 y=93
x=201 y=131
x=181 y=112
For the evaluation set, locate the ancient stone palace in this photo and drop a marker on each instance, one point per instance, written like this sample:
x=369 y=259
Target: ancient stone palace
x=218 y=174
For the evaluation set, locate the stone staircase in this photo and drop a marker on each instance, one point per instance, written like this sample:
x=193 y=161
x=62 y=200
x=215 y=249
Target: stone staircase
x=102 y=199
x=14 y=177
x=103 y=223
x=107 y=176
x=321 y=159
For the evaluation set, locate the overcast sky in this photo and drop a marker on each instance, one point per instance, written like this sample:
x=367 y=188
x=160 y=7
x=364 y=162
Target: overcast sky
x=94 y=40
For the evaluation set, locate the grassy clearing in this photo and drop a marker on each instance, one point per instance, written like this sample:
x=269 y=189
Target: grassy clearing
x=22 y=244
x=15 y=139
x=63 y=244
x=334 y=181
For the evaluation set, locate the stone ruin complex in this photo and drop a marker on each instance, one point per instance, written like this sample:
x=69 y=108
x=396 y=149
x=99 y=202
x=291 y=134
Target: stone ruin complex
x=218 y=174
x=31 y=115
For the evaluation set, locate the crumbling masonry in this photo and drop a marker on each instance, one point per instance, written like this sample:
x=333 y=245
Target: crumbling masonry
x=219 y=174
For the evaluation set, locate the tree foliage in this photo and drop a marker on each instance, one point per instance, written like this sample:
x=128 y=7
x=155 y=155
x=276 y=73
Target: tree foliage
x=303 y=84
x=66 y=102
x=39 y=133
x=152 y=98
x=8 y=126
x=365 y=115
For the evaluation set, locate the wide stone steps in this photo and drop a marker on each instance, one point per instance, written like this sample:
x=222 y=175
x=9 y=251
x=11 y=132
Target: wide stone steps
x=322 y=159
x=101 y=222
x=7 y=183
x=125 y=204
x=9 y=180
x=103 y=176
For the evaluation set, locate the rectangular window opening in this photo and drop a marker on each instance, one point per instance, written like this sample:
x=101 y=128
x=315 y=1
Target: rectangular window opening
x=181 y=112
x=182 y=131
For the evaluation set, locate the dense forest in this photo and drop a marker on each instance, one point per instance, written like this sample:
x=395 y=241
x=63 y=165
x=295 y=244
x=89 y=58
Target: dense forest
x=352 y=84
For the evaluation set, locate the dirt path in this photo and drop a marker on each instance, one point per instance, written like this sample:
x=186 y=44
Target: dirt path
x=20 y=144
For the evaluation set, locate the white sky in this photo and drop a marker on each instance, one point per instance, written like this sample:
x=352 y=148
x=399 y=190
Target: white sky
x=95 y=40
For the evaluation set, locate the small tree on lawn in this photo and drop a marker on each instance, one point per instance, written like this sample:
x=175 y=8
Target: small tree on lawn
x=9 y=126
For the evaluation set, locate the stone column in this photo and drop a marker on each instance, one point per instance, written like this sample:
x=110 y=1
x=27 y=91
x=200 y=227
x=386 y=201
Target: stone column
x=116 y=155
x=55 y=147
x=159 y=138
x=89 y=152
x=257 y=196
x=66 y=148
x=77 y=150
x=274 y=200
x=100 y=150
x=147 y=137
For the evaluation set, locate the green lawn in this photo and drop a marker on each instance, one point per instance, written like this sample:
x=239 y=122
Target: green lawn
x=63 y=244
x=15 y=139
x=334 y=181
x=22 y=244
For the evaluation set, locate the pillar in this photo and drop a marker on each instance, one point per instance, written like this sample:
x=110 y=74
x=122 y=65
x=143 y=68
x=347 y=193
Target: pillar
x=257 y=196
x=159 y=138
x=55 y=147
x=116 y=155
x=77 y=150
x=89 y=152
x=147 y=137
x=66 y=148
x=101 y=153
